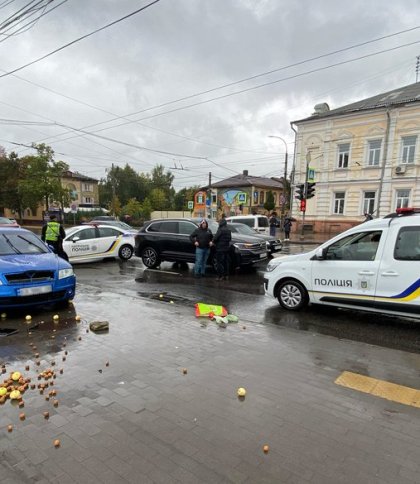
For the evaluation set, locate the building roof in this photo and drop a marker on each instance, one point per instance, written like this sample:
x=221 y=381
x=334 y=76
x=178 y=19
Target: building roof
x=78 y=176
x=403 y=95
x=245 y=180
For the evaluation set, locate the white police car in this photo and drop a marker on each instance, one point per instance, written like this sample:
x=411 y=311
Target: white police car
x=93 y=242
x=374 y=266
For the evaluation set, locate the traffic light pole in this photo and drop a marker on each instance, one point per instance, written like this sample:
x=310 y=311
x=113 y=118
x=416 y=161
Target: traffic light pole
x=308 y=159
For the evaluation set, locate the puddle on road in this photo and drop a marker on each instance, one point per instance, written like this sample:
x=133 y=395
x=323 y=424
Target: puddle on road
x=166 y=297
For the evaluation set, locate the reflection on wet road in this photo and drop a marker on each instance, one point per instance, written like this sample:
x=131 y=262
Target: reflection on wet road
x=243 y=295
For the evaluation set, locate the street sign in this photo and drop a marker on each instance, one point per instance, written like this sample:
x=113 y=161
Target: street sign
x=190 y=205
x=282 y=199
x=73 y=208
x=311 y=174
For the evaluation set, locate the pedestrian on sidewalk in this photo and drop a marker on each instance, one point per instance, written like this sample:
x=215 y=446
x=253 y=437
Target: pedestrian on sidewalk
x=287 y=227
x=202 y=239
x=274 y=223
x=222 y=242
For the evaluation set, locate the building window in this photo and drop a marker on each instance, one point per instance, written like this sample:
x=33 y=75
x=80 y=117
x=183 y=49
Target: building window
x=261 y=197
x=402 y=198
x=343 y=155
x=88 y=200
x=87 y=187
x=339 y=203
x=213 y=198
x=369 y=202
x=374 y=152
x=408 y=149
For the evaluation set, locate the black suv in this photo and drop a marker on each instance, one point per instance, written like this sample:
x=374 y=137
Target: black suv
x=169 y=240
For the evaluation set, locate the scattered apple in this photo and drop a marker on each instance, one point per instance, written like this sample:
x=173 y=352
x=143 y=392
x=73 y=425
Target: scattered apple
x=241 y=392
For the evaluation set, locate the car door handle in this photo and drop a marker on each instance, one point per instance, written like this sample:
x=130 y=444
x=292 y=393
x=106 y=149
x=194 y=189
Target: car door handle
x=390 y=274
x=366 y=273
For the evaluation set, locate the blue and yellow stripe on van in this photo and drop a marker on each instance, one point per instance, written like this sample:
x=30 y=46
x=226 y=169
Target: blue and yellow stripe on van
x=399 y=302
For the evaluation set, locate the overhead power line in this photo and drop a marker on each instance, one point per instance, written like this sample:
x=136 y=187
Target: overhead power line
x=79 y=39
x=208 y=90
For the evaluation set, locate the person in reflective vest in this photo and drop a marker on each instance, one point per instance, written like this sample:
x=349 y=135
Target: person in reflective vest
x=53 y=234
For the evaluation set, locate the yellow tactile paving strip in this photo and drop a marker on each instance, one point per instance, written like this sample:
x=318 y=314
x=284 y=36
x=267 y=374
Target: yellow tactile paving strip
x=380 y=388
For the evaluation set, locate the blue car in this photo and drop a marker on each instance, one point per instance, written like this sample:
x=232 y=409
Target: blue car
x=30 y=273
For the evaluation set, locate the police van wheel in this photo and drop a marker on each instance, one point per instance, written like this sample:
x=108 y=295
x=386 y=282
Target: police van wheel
x=125 y=252
x=292 y=295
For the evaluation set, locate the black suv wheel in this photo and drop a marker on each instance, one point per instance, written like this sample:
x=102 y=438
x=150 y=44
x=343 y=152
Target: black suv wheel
x=150 y=257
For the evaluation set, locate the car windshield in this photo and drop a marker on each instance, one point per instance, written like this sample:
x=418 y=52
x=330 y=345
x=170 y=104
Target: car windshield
x=243 y=229
x=6 y=221
x=21 y=243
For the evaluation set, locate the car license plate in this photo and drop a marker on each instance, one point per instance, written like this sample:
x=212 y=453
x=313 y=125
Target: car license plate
x=263 y=256
x=30 y=291
x=277 y=247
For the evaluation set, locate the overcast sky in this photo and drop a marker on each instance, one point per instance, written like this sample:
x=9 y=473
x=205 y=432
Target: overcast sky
x=113 y=82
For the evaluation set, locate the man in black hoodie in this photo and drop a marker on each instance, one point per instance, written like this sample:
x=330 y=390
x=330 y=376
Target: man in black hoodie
x=222 y=241
x=202 y=239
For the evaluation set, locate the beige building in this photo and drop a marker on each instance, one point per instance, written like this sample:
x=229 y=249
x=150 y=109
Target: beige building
x=84 y=193
x=364 y=158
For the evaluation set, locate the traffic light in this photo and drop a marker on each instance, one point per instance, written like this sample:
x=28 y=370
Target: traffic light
x=310 y=190
x=303 y=205
x=300 y=191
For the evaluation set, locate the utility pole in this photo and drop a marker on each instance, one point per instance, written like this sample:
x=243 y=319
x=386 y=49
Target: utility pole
x=308 y=160
x=209 y=196
x=285 y=187
x=417 y=67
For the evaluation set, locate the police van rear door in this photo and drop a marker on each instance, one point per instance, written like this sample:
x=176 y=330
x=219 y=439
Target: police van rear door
x=398 y=287
x=348 y=273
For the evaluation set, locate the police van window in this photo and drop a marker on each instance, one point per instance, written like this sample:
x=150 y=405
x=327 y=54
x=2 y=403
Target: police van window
x=407 y=246
x=246 y=221
x=361 y=246
x=262 y=222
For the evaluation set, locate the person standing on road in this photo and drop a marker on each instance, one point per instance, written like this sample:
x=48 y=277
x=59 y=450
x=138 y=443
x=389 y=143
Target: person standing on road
x=53 y=234
x=202 y=239
x=287 y=227
x=273 y=222
x=222 y=242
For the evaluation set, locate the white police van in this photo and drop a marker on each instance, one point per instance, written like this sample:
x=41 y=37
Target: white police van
x=374 y=266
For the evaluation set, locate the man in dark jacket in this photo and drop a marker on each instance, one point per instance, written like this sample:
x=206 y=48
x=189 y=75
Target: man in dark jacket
x=222 y=241
x=202 y=239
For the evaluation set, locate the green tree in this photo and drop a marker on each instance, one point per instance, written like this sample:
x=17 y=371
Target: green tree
x=41 y=182
x=158 y=199
x=11 y=169
x=146 y=209
x=269 y=201
x=132 y=208
x=115 y=206
x=182 y=197
x=163 y=181
x=125 y=183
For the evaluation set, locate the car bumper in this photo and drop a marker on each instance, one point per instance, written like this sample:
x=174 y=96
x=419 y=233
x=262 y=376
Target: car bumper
x=16 y=296
x=246 y=258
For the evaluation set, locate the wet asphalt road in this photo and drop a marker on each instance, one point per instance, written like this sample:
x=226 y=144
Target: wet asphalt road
x=243 y=295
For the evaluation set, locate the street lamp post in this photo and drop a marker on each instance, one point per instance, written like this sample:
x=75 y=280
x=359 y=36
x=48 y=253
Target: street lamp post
x=285 y=187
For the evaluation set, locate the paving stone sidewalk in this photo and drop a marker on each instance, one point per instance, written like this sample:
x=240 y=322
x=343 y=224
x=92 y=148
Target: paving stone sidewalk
x=127 y=412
